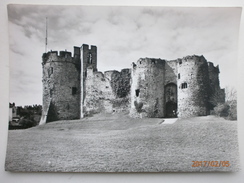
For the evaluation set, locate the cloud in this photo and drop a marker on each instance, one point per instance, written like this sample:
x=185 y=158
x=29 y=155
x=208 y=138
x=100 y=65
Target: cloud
x=122 y=35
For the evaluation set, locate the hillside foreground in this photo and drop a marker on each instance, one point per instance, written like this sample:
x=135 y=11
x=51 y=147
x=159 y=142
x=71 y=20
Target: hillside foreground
x=117 y=143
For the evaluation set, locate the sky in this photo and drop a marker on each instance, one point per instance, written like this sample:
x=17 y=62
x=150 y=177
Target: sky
x=122 y=36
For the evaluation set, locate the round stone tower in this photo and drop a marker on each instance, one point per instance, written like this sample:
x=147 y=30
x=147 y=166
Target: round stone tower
x=147 y=88
x=193 y=86
x=61 y=85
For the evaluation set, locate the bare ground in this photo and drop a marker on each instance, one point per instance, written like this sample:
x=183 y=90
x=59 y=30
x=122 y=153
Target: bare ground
x=117 y=143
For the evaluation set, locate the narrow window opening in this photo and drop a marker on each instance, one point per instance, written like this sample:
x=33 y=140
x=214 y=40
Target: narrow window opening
x=51 y=93
x=89 y=58
x=184 y=85
x=137 y=92
x=179 y=76
x=50 y=71
x=74 y=90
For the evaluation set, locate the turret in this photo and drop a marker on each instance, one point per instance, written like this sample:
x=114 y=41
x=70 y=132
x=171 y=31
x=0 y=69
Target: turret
x=193 y=86
x=147 y=88
x=61 y=85
x=217 y=95
x=88 y=60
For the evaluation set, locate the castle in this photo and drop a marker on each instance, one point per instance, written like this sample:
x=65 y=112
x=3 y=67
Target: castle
x=156 y=88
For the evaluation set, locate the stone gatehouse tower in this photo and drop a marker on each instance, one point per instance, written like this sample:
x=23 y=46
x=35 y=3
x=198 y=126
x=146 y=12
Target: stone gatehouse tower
x=176 y=88
x=74 y=88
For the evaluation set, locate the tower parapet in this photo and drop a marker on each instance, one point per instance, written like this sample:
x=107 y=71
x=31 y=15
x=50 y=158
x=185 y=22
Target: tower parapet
x=89 y=57
x=62 y=56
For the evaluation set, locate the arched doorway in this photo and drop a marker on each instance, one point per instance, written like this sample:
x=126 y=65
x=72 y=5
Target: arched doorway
x=171 y=100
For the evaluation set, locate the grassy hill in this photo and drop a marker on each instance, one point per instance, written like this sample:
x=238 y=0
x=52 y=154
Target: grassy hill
x=117 y=143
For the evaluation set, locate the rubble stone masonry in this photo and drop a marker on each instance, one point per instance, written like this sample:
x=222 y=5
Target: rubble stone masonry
x=73 y=88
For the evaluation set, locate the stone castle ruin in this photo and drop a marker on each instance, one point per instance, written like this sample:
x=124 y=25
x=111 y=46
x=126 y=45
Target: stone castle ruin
x=155 y=88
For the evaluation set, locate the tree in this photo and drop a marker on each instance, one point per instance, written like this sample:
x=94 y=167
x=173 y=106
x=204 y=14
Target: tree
x=230 y=94
x=228 y=109
x=231 y=100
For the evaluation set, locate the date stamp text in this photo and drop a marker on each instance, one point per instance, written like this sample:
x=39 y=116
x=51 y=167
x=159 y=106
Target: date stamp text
x=210 y=164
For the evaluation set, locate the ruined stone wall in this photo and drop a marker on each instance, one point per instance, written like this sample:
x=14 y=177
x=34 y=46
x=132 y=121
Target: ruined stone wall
x=72 y=86
x=217 y=95
x=147 y=88
x=99 y=94
x=61 y=85
x=120 y=82
x=121 y=85
x=213 y=76
x=193 y=86
x=108 y=92
x=222 y=96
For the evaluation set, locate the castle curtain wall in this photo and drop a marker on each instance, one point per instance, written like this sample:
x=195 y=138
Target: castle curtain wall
x=73 y=88
x=108 y=92
x=99 y=95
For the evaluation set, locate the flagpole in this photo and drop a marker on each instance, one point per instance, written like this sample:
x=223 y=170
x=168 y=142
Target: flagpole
x=46 y=37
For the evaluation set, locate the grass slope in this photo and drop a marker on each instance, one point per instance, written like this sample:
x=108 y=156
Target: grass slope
x=116 y=143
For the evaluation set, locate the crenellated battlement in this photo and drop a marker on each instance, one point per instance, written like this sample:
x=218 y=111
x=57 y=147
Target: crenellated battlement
x=88 y=57
x=89 y=47
x=213 y=68
x=145 y=62
x=55 y=56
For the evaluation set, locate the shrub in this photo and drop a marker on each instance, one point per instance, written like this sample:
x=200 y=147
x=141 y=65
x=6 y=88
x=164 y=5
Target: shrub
x=27 y=123
x=228 y=110
x=232 y=111
x=138 y=106
x=222 y=110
